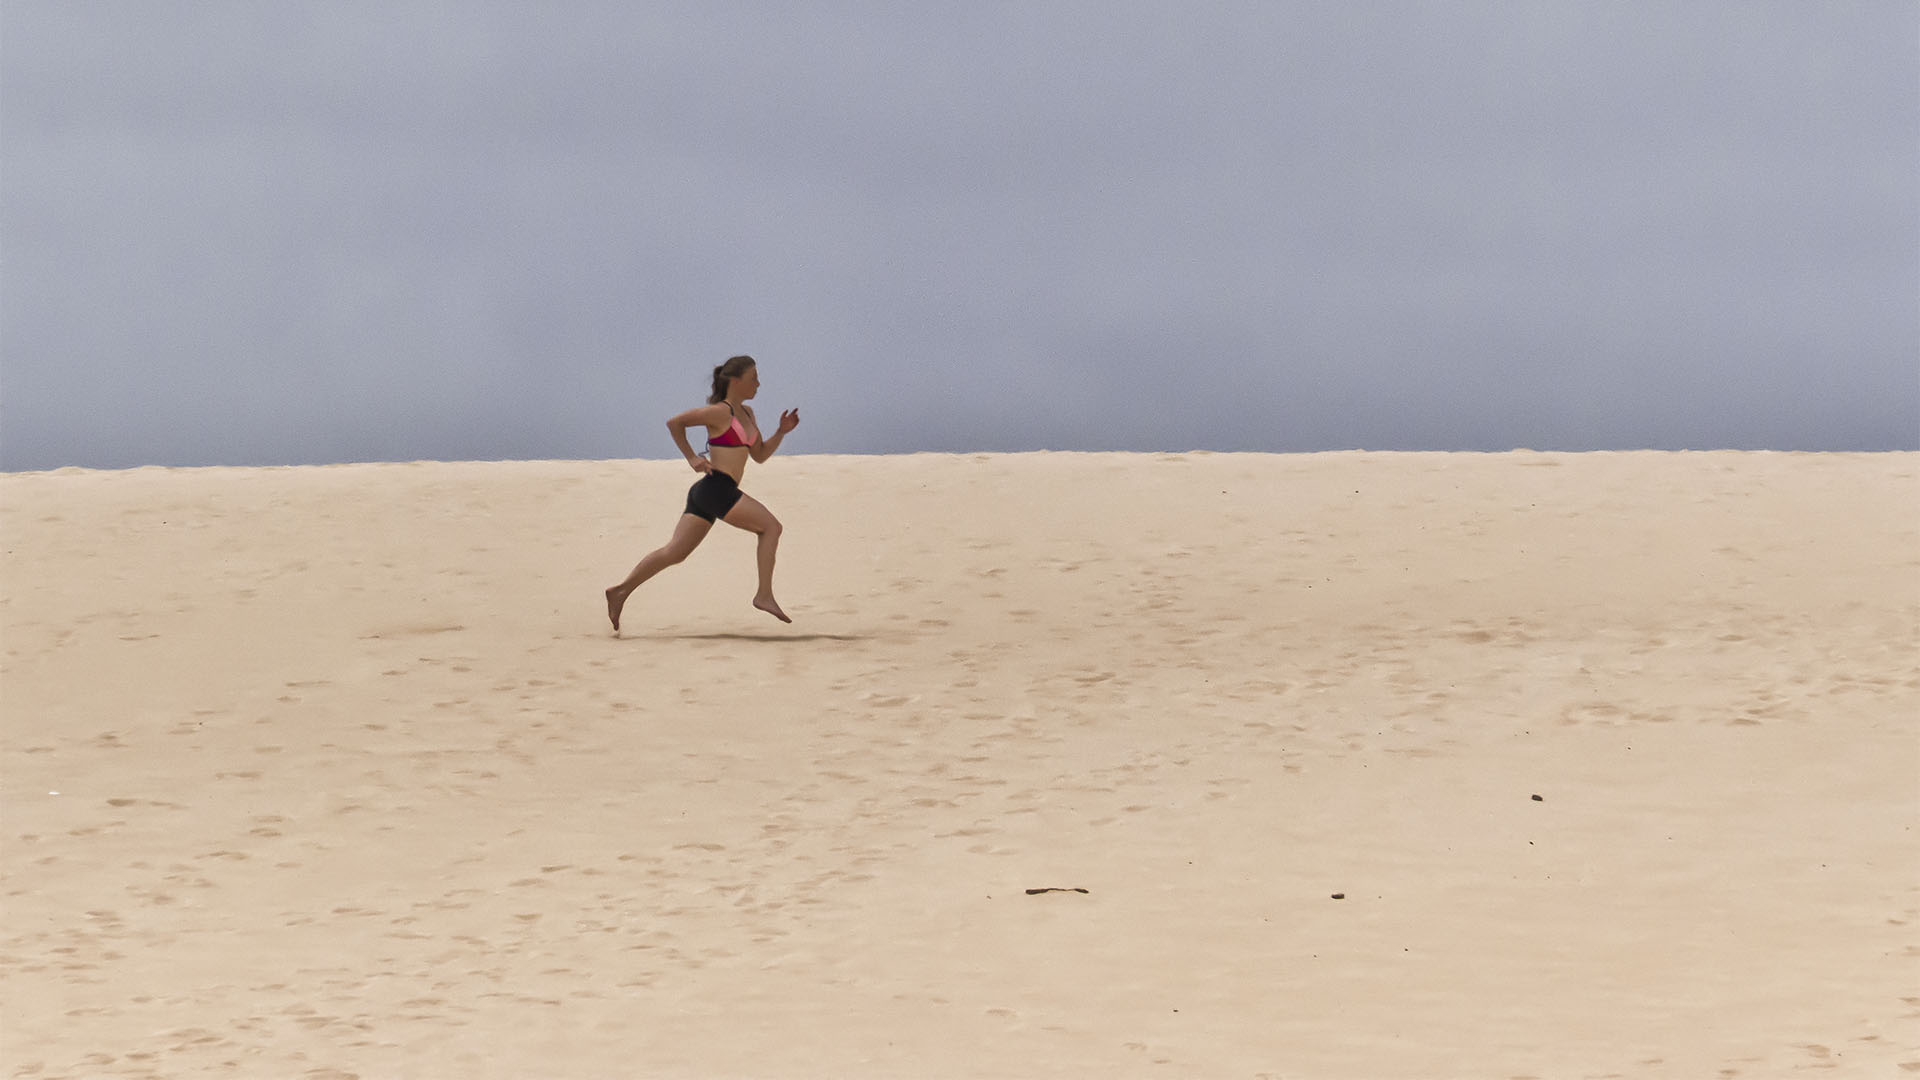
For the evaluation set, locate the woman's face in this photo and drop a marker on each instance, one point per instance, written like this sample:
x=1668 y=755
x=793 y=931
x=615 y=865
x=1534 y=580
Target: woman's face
x=747 y=383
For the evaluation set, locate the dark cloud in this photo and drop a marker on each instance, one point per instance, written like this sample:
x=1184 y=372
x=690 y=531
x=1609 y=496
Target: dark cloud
x=309 y=232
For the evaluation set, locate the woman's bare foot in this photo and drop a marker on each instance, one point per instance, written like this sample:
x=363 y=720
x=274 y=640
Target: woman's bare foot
x=615 y=601
x=767 y=604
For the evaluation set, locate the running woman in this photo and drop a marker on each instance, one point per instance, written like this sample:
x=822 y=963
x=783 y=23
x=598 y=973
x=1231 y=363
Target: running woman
x=733 y=436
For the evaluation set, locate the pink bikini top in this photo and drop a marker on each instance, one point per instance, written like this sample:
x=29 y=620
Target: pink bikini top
x=735 y=435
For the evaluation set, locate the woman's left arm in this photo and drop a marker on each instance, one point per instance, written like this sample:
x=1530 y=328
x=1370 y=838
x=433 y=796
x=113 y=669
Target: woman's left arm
x=765 y=448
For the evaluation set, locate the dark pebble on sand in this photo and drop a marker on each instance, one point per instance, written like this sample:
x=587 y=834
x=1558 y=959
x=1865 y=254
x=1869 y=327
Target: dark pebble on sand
x=1537 y=798
x=1339 y=896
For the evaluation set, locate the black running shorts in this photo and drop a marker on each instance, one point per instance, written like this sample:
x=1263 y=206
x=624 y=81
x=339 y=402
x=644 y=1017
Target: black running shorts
x=713 y=495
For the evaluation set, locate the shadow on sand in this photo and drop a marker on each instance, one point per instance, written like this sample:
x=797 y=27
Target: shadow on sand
x=742 y=637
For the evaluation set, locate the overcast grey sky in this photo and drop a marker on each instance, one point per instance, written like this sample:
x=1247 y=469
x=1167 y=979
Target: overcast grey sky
x=270 y=233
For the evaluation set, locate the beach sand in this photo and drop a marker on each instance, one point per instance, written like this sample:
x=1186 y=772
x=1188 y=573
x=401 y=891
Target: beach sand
x=1369 y=765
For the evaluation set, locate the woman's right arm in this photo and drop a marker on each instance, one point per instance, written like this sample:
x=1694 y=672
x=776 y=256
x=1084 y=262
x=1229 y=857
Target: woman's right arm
x=697 y=417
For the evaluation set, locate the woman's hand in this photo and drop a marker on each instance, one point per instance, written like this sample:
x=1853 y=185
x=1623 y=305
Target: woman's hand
x=700 y=464
x=789 y=420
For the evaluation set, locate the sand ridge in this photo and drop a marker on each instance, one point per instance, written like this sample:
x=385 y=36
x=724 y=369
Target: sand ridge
x=353 y=778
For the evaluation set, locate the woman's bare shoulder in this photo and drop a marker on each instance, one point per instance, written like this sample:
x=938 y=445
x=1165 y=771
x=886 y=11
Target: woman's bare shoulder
x=711 y=415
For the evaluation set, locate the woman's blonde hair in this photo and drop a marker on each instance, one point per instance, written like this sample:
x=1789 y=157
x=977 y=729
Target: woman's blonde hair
x=724 y=374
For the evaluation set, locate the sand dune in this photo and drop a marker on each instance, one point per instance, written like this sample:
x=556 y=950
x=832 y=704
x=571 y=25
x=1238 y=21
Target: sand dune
x=340 y=771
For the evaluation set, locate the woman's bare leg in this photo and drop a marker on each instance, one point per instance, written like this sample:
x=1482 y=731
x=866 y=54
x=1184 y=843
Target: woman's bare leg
x=686 y=536
x=748 y=514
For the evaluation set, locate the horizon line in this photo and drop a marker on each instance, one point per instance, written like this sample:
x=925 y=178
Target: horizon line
x=75 y=469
